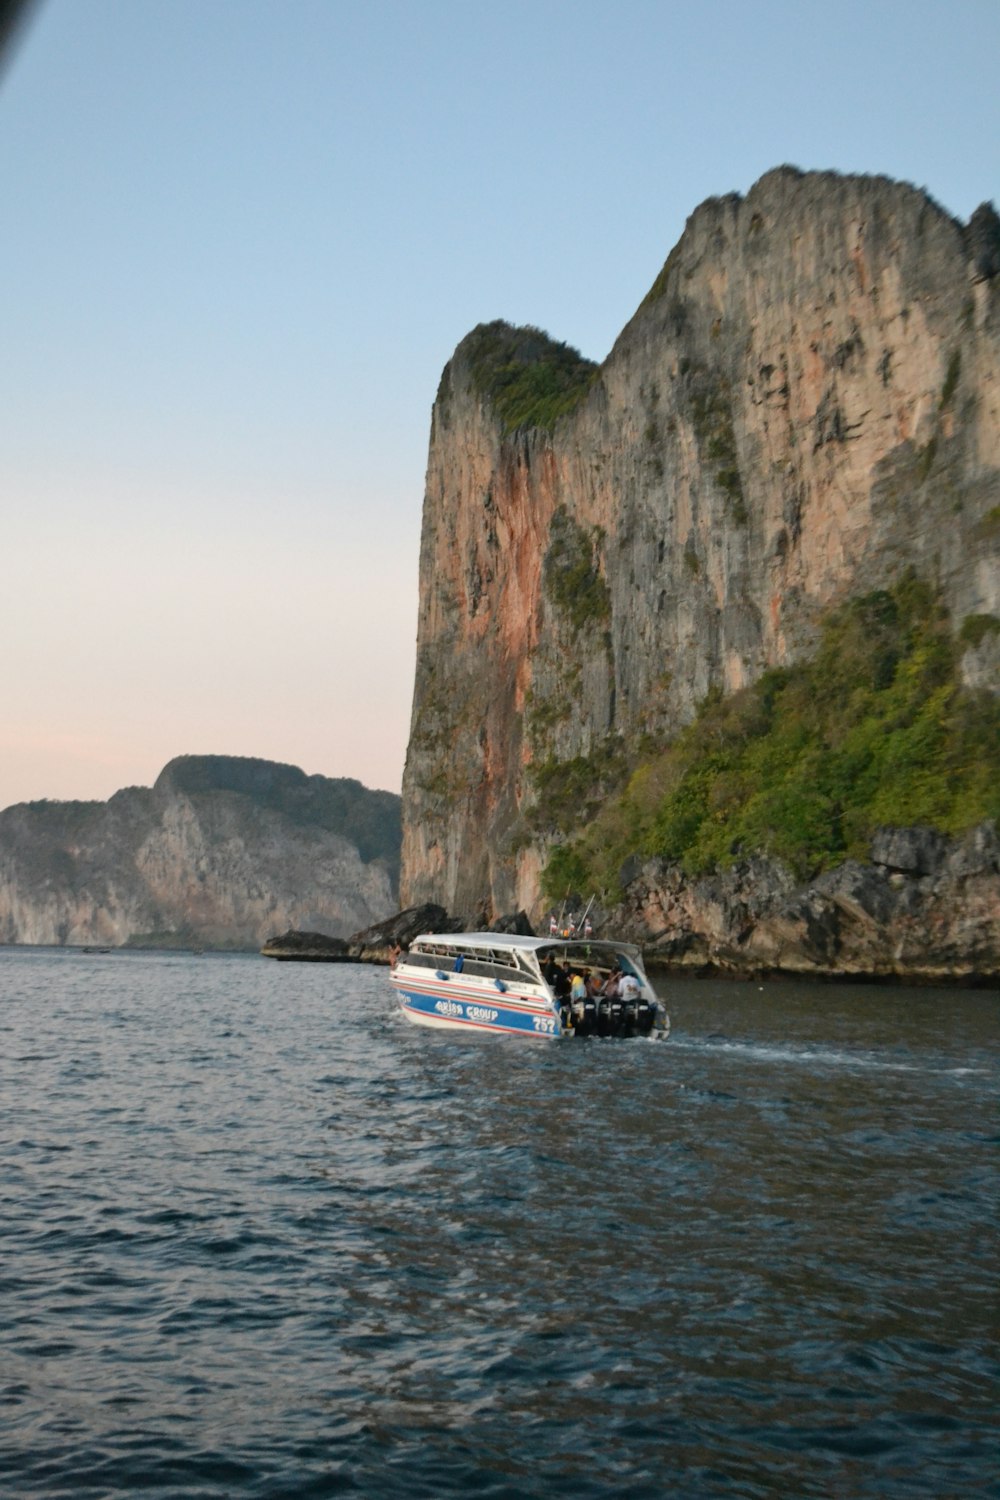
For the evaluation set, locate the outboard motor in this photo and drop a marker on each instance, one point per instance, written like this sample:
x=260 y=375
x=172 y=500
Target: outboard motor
x=646 y=1015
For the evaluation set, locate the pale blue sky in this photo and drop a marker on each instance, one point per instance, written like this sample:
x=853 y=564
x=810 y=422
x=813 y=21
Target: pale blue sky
x=242 y=237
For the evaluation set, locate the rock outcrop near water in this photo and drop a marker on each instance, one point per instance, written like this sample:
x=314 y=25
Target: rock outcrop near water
x=372 y=946
x=221 y=852
x=804 y=407
x=924 y=908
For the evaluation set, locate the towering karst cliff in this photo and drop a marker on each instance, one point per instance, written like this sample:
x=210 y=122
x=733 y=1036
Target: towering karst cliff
x=223 y=851
x=806 y=404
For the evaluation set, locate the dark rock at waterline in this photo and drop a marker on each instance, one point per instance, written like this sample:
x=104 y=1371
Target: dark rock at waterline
x=514 y=922
x=374 y=944
x=308 y=947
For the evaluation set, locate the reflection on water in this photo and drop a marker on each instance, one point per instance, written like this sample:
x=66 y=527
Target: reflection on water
x=263 y=1237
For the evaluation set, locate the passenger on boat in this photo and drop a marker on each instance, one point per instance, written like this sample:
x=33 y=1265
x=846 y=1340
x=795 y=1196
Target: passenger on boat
x=577 y=995
x=629 y=987
x=612 y=983
x=556 y=976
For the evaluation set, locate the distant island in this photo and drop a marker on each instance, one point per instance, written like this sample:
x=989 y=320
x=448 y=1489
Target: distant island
x=221 y=852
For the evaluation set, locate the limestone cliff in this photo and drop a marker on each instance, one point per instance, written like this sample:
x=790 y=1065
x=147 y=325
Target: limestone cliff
x=220 y=852
x=923 y=907
x=806 y=404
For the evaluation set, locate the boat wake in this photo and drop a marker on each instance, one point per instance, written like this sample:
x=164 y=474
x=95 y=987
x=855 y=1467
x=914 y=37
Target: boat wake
x=809 y=1056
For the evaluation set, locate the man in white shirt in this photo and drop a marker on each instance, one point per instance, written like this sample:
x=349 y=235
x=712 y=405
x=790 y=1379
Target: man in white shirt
x=629 y=987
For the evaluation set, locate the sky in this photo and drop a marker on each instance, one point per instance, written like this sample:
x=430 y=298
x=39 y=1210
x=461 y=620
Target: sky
x=241 y=238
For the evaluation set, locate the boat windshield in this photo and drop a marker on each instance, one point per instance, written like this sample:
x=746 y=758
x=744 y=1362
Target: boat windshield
x=594 y=955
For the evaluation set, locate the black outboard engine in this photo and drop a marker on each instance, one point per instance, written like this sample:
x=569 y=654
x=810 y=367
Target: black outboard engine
x=631 y=1015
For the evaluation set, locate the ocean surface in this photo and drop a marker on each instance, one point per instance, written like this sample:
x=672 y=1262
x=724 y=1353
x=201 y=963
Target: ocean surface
x=260 y=1236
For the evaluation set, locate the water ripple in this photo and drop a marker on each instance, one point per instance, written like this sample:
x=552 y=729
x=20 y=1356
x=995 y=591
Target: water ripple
x=263 y=1237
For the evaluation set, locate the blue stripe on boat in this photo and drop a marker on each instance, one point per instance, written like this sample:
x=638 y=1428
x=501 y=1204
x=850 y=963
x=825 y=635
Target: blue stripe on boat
x=481 y=1012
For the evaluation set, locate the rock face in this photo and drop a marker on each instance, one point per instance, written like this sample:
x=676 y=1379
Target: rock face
x=926 y=907
x=221 y=852
x=307 y=947
x=806 y=404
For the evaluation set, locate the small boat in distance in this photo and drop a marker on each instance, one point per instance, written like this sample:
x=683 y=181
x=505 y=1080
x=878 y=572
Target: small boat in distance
x=502 y=982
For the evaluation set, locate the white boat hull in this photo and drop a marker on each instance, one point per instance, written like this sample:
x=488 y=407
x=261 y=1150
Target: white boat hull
x=494 y=983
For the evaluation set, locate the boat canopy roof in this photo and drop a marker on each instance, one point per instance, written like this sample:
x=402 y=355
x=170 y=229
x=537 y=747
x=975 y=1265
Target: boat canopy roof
x=513 y=942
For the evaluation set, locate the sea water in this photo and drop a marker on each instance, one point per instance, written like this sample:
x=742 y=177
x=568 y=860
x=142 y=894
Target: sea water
x=260 y=1236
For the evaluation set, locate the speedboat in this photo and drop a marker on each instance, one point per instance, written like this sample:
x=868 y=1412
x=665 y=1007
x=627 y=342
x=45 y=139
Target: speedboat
x=501 y=982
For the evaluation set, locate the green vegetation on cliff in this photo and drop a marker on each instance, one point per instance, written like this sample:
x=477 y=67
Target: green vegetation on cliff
x=713 y=422
x=529 y=378
x=573 y=577
x=806 y=763
x=572 y=791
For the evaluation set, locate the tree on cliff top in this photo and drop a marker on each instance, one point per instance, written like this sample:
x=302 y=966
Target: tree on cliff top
x=530 y=379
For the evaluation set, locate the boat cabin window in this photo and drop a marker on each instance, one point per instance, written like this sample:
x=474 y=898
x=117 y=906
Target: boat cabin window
x=486 y=963
x=424 y=960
